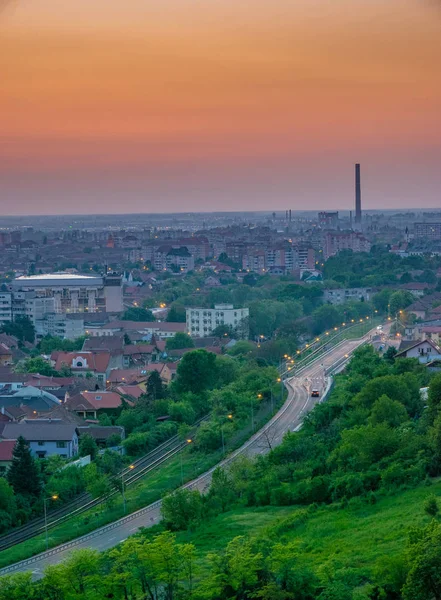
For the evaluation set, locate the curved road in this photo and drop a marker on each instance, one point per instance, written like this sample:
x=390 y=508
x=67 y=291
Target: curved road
x=289 y=418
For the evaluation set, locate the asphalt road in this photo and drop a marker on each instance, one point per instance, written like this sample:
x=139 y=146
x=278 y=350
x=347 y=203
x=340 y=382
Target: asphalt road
x=289 y=418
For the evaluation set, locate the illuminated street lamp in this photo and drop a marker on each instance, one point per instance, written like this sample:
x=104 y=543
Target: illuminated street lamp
x=188 y=441
x=131 y=467
x=53 y=497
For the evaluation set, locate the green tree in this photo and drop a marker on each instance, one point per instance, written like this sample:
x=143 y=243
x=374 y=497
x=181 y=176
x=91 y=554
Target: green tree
x=234 y=572
x=178 y=341
x=223 y=331
x=16 y=587
x=138 y=314
x=388 y=411
x=399 y=301
x=23 y=474
x=88 y=446
x=182 y=509
x=8 y=505
x=406 y=277
x=155 y=388
x=431 y=506
x=38 y=365
x=22 y=328
x=434 y=395
x=182 y=412
x=196 y=371
x=423 y=581
x=176 y=314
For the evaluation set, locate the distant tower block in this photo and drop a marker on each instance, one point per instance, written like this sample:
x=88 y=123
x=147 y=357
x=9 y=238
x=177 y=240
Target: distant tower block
x=357 y=195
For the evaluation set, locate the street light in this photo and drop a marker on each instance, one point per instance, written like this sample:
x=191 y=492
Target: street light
x=53 y=497
x=131 y=467
x=188 y=441
x=222 y=435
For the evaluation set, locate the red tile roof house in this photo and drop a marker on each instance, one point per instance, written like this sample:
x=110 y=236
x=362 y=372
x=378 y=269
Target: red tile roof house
x=6 y=449
x=133 y=392
x=89 y=404
x=5 y=354
x=140 y=354
x=98 y=364
x=140 y=375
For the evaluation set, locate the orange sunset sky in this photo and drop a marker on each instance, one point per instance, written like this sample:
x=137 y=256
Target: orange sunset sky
x=185 y=105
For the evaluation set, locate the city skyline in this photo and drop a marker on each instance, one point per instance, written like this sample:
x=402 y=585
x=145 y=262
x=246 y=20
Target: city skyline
x=166 y=107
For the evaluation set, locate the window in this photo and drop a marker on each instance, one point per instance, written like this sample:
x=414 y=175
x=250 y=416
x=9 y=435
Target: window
x=61 y=444
x=40 y=443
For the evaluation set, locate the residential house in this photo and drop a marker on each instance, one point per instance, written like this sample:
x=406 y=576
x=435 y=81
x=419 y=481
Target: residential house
x=5 y=355
x=101 y=434
x=30 y=400
x=90 y=404
x=46 y=437
x=424 y=350
x=161 y=330
x=140 y=354
x=133 y=392
x=84 y=364
x=139 y=376
x=6 y=450
x=416 y=288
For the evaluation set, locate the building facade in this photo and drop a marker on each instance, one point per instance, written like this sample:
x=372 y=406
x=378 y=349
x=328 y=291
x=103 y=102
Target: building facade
x=342 y=295
x=201 y=322
x=72 y=293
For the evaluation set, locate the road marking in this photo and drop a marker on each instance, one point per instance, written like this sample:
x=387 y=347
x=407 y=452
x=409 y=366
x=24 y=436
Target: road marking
x=112 y=538
x=134 y=528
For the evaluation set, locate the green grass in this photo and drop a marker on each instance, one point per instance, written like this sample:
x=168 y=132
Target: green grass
x=329 y=539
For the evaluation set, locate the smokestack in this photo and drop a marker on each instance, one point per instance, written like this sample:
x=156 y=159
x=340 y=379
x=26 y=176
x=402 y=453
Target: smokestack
x=350 y=219
x=286 y=215
x=357 y=195
x=290 y=215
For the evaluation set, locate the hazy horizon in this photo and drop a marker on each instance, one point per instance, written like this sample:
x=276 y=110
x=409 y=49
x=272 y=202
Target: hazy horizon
x=171 y=106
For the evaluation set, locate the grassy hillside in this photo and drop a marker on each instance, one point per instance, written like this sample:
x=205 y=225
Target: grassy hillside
x=333 y=541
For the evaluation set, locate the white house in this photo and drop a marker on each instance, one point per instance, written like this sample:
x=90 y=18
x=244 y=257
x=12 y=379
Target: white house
x=424 y=350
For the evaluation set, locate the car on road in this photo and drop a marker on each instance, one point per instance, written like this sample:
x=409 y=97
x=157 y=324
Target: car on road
x=379 y=327
x=315 y=393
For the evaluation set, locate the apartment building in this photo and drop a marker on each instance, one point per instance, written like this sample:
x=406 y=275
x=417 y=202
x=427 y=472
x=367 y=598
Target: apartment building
x=334 y=242
x=342 y=295
x=24 y=304
x=427 y=231
x=200 y=322
x=328 y=220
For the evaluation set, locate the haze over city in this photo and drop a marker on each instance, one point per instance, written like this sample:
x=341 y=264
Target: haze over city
x=111 y=107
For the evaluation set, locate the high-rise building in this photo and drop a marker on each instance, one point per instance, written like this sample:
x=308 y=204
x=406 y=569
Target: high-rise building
x=357 y=195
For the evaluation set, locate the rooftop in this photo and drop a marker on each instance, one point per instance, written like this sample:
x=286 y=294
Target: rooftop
x=60 y=276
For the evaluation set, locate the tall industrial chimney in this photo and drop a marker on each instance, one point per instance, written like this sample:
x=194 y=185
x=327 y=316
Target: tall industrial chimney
x=357 y=195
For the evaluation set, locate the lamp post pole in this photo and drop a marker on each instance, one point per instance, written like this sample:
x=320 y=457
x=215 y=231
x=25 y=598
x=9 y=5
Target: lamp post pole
x=53 y=497
x=123 y=488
